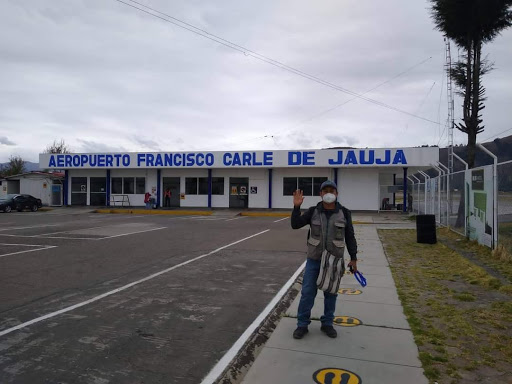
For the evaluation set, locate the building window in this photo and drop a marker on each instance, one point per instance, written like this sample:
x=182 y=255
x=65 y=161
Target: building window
x=306 y=185
x=217 y=186
x=79 y=184
x=199 y=186
x=317 y=182
x=140 y=185
x=310 y=186
x=203 y=186
x=117 y=185
x=128 y=186
x=191 y=185
x=289 y=185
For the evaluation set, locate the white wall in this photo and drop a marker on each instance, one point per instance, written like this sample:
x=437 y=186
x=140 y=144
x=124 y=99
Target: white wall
x=35 y=187
x=3 y=188
x=31 y=185
x=358 y=189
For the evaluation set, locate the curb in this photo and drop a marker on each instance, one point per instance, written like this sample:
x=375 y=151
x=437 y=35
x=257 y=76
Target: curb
x=152 y=212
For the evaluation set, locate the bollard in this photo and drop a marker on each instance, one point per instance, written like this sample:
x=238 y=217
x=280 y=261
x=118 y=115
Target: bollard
x=426 y=229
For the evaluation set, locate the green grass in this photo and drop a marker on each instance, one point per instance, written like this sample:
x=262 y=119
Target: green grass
x=495 y=260
x=505 y=239
x=458 y=313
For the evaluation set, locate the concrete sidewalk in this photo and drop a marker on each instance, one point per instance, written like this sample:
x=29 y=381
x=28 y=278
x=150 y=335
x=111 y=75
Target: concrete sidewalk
x=374 y=346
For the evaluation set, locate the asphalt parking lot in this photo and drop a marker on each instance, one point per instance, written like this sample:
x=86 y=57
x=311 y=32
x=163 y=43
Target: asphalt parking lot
x=91 y=298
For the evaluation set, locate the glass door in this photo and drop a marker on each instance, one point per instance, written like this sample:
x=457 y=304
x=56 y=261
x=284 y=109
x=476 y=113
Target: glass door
x=98 y=191
x=79 y=191
x=173 y=184
x=238 y=192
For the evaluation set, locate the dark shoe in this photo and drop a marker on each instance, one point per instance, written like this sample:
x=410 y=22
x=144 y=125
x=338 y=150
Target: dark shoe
x=329 y=331
x=300 y=332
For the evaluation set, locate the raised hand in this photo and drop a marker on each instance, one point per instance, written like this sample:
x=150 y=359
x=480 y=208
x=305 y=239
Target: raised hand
x=298 y=198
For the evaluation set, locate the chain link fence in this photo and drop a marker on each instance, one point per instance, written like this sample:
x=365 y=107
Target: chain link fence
x=460 y=202
x=505 y=209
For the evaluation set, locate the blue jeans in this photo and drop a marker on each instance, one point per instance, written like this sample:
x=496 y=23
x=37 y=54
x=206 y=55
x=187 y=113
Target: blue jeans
x=308 y=294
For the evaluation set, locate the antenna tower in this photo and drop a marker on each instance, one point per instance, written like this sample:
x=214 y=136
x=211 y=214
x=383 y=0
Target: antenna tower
x=450 y=122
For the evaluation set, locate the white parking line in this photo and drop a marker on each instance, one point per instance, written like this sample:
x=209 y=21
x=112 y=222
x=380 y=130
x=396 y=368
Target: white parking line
x=237 y=218
x=28 y=250
x=33 y=226
x=277 y=221
x=71 y=230
x=223 y=363
x=124 y=287
x=131 y=233
x=24 y=245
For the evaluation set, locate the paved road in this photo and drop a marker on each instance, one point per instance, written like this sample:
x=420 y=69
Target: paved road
x=171 y=328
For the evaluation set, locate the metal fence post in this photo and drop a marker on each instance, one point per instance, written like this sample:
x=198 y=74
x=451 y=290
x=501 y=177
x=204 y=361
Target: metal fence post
x=461 y=160
x=440 y=171
x=426 y=177
x=495 y=202
x=419 y=183
x=448 y=205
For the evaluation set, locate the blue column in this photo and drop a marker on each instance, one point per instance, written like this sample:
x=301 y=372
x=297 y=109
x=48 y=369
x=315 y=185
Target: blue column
x=394 y=194
x=270 y=188
x=158 y=192
x=336 y=177
x=209 y=188
x=405 y=190
x=65 y=187
x=107 y=203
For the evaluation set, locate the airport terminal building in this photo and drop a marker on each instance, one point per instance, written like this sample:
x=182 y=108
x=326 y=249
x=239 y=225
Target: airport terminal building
x=239 y=179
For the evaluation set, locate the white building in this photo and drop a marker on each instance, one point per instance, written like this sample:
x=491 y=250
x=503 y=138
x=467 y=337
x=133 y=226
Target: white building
x=42 y=185
x=239 y=179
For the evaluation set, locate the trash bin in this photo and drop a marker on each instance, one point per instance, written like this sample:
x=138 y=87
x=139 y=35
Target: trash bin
x=426 y=229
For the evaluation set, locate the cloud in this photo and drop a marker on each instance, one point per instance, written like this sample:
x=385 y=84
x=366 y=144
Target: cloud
x=94 y=146
x=335 y=140
x=148 y=143
x=4 y=140
x=137 y=83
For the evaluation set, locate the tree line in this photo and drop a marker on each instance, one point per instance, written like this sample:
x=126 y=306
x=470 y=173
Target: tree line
x=16 y=164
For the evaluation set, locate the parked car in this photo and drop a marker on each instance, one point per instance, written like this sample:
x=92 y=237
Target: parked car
x=19 y=202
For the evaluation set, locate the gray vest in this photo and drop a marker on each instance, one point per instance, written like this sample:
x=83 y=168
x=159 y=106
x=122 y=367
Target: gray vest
x=326 y=235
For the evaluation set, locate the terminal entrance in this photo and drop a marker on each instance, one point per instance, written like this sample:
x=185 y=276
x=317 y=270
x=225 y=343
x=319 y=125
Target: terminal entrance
x=98 y=191
x=173 y=183
x=238 y=192
x=79 y=191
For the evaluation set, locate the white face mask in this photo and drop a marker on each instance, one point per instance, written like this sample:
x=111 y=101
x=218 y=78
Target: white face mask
x=329 y=198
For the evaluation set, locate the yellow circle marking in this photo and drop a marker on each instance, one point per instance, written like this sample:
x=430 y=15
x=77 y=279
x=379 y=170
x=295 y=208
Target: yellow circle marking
x=347 y=321
x=335 y=376
x=350 y=291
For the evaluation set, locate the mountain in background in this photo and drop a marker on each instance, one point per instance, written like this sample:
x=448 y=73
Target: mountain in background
x=29 y=166
x=500 y=147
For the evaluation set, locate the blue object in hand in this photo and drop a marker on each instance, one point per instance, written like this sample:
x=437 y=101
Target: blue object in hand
x=359 y=277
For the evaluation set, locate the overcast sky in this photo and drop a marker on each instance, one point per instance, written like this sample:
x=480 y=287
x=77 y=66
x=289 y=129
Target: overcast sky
x=106 y=77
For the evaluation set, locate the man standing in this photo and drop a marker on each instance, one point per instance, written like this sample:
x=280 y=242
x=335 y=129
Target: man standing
x=167 y=200
x=330 y=223
x=147 y=200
